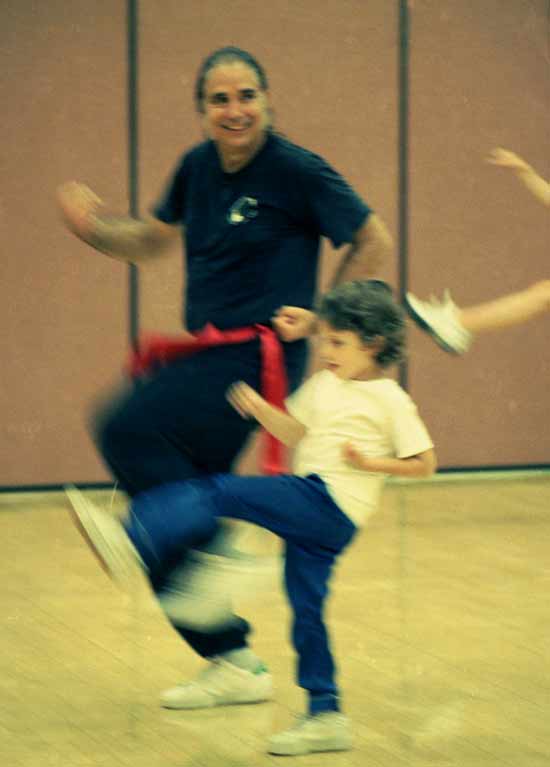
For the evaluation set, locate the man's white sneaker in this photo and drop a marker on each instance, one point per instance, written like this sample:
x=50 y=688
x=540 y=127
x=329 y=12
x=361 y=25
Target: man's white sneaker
x=440 y=320
x=220 y=684
x=329 y=731
x=105 y=536
x=200 y=593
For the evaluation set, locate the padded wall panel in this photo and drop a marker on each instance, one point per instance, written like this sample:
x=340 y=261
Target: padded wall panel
x=64 y=311
x=480 y=79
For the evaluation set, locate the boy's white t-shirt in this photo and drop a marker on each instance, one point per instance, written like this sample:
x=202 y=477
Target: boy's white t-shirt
x=378 y=416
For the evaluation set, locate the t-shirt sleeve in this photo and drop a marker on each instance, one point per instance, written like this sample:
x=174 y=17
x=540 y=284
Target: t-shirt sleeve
x=409 y=433
x=170 y=208
x=337 y=210
x=300 y=404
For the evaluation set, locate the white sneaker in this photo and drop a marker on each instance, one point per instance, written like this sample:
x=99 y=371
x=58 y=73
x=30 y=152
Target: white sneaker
x=196 y=596
x=329 y=731
x=440 y=320
x=201 y=593
x=220 y=684
x=105 y=536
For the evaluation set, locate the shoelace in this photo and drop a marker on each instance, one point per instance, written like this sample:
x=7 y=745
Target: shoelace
x=202 y=676
x=301 y=721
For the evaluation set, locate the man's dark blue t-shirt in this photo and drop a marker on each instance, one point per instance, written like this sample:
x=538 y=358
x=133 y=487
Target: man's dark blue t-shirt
x=252 y=237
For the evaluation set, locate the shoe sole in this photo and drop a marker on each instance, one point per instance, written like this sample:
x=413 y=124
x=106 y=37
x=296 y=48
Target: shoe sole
x=261 y=696
x=421 y=322
x=83 y=520
x=216 y=704
x=312 y=749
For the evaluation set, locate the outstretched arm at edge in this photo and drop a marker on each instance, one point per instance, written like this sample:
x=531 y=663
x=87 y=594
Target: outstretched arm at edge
x=528 y=176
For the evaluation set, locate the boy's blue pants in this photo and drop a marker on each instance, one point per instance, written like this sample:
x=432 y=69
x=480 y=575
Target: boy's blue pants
x=168 y=520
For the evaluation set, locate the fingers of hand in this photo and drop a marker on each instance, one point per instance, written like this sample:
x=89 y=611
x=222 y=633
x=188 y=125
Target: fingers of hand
x=284 y=328
x=493 y=157
x=234 y=402
x=282 y=310
x=239 y=397
x=504 y=158
x=279 y=323
x=78 y=195
x=291 y=313
x=282 y=321
x=352 y=454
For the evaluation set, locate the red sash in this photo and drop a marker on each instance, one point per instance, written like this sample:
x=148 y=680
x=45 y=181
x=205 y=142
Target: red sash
x=156 y=349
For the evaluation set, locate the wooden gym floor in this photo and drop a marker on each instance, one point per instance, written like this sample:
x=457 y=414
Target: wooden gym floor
x=440 y=622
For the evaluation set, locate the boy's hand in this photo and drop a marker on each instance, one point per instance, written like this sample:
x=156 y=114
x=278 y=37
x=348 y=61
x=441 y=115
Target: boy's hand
x=244 y=399
x=293 y=322
x=354 y=456
x=506 y=159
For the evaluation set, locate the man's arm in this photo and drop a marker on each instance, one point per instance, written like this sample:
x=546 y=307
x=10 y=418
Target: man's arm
x=371 y=247
x=124 y=238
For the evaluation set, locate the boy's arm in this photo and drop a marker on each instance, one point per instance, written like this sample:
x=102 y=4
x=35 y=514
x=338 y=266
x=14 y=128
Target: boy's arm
x=250 y=404
x=421 y=465
x=293 y=322
x=538 y=187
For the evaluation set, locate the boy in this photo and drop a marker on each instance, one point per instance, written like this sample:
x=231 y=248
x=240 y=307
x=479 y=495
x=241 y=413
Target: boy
x=351 y=426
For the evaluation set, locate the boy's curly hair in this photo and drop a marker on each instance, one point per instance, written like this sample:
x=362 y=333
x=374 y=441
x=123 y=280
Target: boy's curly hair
x=368 y=309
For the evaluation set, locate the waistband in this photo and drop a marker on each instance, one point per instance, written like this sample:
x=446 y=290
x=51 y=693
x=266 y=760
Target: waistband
x=155 y=350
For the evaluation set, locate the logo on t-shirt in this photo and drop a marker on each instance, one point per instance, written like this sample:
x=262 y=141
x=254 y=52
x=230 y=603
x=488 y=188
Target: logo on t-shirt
x=244 y=209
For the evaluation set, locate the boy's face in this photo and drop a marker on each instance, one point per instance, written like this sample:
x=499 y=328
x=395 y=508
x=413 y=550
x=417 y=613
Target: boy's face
x=346 y=355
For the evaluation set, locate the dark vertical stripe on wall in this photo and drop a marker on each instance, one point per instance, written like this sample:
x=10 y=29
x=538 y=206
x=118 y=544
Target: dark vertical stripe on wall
x=133 y=178
x=403 y=160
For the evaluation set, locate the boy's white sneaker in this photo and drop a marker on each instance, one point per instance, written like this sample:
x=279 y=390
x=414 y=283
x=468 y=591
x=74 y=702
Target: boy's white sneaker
x=440 y=320
x=105 y=536
x=329 y=731
x=220 y=684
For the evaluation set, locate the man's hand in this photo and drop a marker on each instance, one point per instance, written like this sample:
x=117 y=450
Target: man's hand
x=293 y=322
x=79 y=206
x=244 y=399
